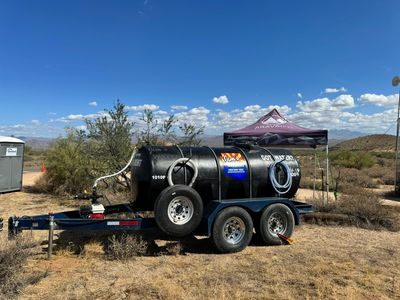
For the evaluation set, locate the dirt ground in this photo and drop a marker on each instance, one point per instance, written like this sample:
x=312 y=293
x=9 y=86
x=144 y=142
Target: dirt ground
x=325 y=262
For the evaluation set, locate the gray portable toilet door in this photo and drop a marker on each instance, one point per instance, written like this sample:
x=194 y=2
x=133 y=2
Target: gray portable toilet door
x=11 y=164
x=17 y=168
x=5 y=169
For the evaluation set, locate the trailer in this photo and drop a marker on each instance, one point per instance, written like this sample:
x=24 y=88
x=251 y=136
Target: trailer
x=228 y=223
x=228 y=198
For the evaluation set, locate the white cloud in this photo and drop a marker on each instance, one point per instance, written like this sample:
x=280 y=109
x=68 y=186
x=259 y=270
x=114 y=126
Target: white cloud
x=51 y=113
x=79 y=117
x=325 y=104
x=252 y=107
x=344 y=101
x=36 y=122
x=179 y=107
x=143 y=107
x=197 y=116
x=93 y=103
x=380 y=100
x=221 y=100
x=299 y=95
x=334 y=90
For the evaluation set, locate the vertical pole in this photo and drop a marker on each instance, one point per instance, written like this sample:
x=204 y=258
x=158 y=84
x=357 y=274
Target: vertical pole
x=322 y=189
x=51 y=231
x=327 y=172
x=315 y=173
x=396 y=189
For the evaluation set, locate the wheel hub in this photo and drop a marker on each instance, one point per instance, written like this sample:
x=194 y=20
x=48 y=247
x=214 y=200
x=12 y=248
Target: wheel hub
x=276 y=224
x=180 y=210
x=234 y=230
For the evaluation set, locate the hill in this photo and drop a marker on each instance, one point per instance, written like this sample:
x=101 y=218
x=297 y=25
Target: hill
x=374 y=142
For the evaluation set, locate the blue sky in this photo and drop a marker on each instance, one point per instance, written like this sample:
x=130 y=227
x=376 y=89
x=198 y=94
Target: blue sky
x=323 y=64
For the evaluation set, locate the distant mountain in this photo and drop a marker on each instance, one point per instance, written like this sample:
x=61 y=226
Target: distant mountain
x=344 y=134
x=36 y=143
x=212 y=140
x=374 y=142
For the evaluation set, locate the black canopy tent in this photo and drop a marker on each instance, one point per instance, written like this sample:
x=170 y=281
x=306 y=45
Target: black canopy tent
x=274 y=130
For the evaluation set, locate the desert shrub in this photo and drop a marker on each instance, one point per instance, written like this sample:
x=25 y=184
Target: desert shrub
x=73 y=162
x=124 y=246
x=385 y=155
x=13 y=256
x=68 y=167
x=173 y=248
x=364 y=209
x=385 y=174
x=308 y=183
x=129 y=246
x=352 y=159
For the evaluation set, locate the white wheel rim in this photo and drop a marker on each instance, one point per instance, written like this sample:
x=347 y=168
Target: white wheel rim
x=233 y=230
x=180 y=210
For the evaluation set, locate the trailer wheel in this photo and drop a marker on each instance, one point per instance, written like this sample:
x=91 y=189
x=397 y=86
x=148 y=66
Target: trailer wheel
x=276 y=218
x=232 y=230
x=178 y=210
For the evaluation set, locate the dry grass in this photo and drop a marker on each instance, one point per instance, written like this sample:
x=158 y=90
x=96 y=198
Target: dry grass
x=362 y=208
x=13 y=257
x=325 y=262
x=124 y=246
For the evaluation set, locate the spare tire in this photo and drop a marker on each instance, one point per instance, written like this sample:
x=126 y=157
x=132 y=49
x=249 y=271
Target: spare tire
x=178 y=210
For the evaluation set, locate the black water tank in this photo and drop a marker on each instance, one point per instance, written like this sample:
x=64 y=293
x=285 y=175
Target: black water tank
x=226 y=172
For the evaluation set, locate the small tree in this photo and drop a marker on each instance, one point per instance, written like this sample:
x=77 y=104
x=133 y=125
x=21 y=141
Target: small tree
x=148 y=136
x=109 y=141
x=167 y=130
x=191 y=135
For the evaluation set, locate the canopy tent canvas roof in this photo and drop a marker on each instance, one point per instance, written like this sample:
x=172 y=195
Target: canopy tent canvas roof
x=275 y=130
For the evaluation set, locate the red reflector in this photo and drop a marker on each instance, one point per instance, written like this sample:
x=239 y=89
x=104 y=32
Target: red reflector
x=96 y=216
x=129 y=223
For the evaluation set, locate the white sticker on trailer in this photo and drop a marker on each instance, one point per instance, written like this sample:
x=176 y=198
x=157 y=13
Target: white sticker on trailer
x=113 y=223
x=11 y=151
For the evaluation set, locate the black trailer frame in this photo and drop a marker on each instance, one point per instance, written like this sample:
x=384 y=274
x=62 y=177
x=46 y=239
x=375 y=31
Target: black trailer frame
x=71 y=220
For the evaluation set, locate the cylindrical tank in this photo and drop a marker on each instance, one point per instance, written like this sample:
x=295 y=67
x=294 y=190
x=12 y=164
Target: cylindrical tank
x=223 y=173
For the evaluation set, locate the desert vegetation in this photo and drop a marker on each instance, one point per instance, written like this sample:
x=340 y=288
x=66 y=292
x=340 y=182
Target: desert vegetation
x=73 y=162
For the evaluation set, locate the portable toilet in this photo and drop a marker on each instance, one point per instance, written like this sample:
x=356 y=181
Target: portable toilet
x=11 y=163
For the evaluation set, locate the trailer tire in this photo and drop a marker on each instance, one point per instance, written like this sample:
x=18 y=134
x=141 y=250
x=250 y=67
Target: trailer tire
x=178 y=210
x=232 y=230
x=276 y=218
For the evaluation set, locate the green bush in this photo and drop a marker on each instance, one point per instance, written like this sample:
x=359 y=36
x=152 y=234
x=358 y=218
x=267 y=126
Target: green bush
x=68 y=167
x=352 y=159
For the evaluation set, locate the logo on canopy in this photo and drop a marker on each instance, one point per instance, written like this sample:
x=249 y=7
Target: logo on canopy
x=273 y=121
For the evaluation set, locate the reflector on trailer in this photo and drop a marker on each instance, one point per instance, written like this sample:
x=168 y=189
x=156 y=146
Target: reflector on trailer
x=123 y=223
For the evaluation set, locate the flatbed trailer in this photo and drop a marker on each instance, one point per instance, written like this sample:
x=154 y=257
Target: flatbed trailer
x=73 y=220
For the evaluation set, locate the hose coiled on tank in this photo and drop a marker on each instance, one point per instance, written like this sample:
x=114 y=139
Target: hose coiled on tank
x=185 y=161
x=278 y=187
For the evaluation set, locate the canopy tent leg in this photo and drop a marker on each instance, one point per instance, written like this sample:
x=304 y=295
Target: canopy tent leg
x=327 y=173
x=315 y=173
